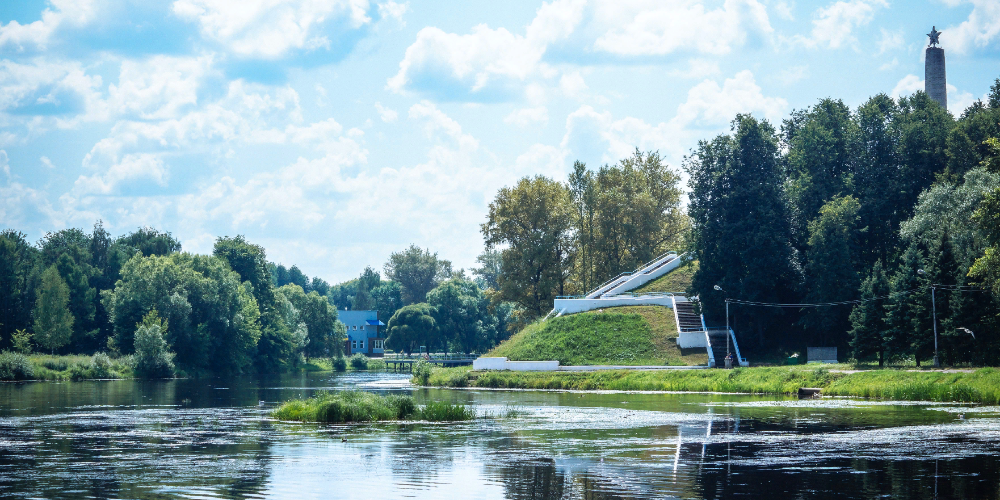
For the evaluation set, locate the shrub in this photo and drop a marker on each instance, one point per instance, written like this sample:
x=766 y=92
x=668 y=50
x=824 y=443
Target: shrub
x=339 y=364
x=421 y=372
x=22 y=341
x=376 y=365
x=55 y=364
x=15 y=366
x=359 y=362
x=101 y=366
x=152 y=360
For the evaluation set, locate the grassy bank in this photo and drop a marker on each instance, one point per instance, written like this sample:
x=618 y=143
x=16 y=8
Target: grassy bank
x=355 y=406
x=678 y=280
x=633 y=335
x=981 y=386
x=16 y=366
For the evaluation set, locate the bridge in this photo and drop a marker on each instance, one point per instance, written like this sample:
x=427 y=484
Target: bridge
x=404 y=362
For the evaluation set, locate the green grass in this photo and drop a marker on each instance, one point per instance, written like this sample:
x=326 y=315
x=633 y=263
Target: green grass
x=633 y=335
x=981 y=386
x=677 y=280
x=68 y=367
x=356 y=406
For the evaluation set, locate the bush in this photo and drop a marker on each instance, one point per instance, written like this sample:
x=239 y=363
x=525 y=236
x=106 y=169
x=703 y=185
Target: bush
x=15 y=366
x=55 y=364
x=101 y=366
x=339 y=364
x=376 y=365
x=152 y=360
x=22 y=341
x=359 y=362
x=421 y=372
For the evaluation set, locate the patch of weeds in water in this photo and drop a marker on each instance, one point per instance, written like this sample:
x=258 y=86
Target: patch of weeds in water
x=357 y=406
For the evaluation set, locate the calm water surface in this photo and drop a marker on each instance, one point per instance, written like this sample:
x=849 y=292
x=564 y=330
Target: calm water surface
x=215 y=439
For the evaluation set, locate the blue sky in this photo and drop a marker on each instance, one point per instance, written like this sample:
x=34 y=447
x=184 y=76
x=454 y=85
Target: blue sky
x=336 y=132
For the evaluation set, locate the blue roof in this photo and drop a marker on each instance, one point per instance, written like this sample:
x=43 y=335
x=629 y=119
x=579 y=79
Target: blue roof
x=375 y=322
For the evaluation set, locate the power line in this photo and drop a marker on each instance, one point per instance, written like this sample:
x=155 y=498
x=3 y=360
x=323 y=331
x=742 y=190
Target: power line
x=954 y=288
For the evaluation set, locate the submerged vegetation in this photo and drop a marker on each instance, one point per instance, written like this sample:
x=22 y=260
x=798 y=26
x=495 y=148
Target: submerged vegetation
x=356 y=406
x=981 y=386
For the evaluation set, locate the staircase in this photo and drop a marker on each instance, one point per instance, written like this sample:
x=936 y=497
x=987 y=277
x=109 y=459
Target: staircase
x=687 y=319
x=632 y=280
x=717 y=343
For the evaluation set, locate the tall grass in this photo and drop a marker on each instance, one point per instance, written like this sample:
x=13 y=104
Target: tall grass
x=981 y=386
x=356 y=406
x=15 y=366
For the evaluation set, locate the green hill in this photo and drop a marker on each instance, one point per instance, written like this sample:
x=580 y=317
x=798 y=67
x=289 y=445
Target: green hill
x=632 y=335
x=677 y=280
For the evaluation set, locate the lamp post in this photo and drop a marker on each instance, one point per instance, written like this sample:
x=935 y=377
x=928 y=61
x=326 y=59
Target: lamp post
x=934 y=315
x=728 y=333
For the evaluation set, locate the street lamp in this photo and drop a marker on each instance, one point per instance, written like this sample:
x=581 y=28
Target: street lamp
x=728 y=333
x=934 y=314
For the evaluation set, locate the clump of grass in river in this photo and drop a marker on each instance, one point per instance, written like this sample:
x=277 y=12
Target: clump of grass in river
x=356 y=406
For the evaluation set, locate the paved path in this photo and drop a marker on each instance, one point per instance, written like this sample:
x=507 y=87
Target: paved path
x=592 y=368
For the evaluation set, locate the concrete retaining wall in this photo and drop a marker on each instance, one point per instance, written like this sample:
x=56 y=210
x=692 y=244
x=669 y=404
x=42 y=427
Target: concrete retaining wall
x=517 y=366
x=688 y=340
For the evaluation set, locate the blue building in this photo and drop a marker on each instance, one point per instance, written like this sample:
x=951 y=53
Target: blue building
x=363 y=333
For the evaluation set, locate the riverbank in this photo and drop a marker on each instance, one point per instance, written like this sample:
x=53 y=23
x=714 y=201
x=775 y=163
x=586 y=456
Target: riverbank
x=981 y=386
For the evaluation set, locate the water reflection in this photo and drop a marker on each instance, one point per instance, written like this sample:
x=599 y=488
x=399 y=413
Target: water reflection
x=214 y=439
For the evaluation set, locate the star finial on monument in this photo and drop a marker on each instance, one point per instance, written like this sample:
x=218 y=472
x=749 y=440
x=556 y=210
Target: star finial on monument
x=934 y=34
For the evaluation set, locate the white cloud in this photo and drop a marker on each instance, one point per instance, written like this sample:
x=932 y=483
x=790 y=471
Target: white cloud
x=386 y=114
x=907 y=85
x=5 y=164
x=270 y=29
x=656 y=27
x=698 y=68
x=978 y=32
x=159 y=87
x=56 y=89
x=573 y=85
x=36 y=35
x=708 y=104
x=132 y=167
x=527 y=116
x=793 y=74
x=891 y=40
x=393 y=10
x=784 y=10
x=889 y=65
x=486 y=60
x=46 y=162
x=834 y=25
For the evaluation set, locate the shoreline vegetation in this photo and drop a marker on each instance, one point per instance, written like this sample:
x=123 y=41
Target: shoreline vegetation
x=358 y=406
x=980 y=386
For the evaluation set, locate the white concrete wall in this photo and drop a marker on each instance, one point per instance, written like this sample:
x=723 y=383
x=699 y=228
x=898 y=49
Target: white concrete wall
x=688 y=340
x=517 y=366
x=580 y=305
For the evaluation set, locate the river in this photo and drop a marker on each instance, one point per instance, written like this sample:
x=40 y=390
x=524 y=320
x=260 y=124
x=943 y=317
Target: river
x=214 y=439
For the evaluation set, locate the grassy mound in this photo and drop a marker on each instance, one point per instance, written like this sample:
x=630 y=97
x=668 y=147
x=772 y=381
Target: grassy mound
x=678 y=280
x=633 y=335
x=356 y=406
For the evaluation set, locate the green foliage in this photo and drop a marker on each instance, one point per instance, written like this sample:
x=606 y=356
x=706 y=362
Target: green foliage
x=376 y=365
x=18 y=271
x=53 y=320
x=15 y=366
x=148 y=241
x=533 y=223
x=421 y=372
x=868 y=318
x=461 y=312
x=353 y=406
x=339 y=363
x=411 y=326
x=152 y=358
x=741 y=227
x=318 y=317
x=417 y=271
x=358 y=361
x=388 y=298
x=831 y=275
x=21 y=340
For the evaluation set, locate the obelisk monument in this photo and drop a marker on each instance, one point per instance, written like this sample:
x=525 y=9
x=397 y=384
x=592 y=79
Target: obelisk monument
x=935 y=82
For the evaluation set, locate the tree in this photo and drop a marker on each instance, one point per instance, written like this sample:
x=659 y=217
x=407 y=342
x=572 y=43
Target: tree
x=152 y=358
x=250 y=263
x=831 y=275
x=53 y=320
x=388 y=299
x=876 y=174
x=907 y=312
x=532 y=225
x=417 y=271
x=462 y=315
x=411 y=326
x=490 y=266
x=986 y=268
x=18 y=278
x=868 y=318
x=318 y=317
x=741 y=232
x=368 y=281
x=81 y=302
x=149 y=241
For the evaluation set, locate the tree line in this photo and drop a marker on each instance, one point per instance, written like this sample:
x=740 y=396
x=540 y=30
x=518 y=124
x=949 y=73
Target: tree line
x=880 y=203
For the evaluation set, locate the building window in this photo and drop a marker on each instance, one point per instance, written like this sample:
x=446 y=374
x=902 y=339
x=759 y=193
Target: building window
x=355 y=327
x=354 y=344
x=379 y=344
x=361 y=344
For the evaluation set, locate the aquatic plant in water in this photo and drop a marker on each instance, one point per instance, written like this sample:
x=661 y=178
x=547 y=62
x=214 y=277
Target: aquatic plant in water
x=357 y=406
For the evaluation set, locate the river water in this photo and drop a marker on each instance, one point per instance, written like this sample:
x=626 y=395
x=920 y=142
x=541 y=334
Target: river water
x=215 y=439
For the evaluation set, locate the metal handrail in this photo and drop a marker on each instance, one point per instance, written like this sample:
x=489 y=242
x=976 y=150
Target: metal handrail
x=606 y=283
x=644 y=266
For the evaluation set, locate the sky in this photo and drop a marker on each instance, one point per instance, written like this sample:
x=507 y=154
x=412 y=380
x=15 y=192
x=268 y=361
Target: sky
x=335 y=132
